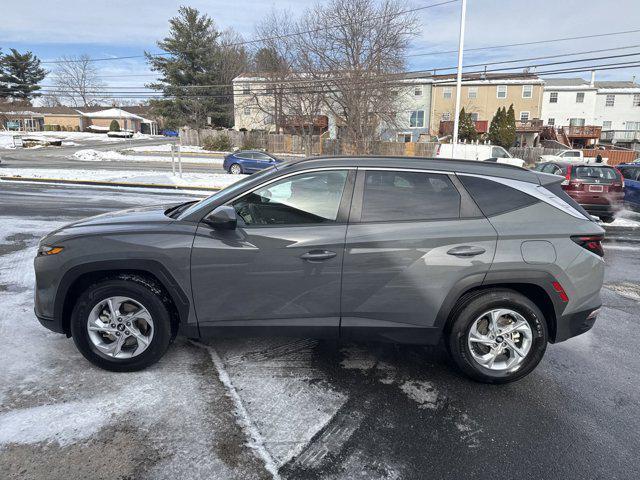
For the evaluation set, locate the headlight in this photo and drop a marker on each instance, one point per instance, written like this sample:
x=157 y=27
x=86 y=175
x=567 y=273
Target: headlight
x=49 y=250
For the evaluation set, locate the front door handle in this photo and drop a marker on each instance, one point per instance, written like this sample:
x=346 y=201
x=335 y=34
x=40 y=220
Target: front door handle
x=318 y=255
x=466 y=251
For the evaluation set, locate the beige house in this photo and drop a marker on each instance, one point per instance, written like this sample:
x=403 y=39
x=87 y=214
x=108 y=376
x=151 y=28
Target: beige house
x=482 y=95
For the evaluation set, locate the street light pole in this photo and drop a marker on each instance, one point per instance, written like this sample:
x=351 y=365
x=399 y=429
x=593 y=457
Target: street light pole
x=456 y=118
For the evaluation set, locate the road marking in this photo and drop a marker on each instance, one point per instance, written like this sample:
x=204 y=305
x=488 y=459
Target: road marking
x=244 y=420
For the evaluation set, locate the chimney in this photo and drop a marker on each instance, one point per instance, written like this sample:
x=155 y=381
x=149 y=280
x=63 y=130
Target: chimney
x=593 y=78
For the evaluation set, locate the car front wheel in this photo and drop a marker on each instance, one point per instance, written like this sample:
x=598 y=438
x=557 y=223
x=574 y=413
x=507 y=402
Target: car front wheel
x=235 y=169
x=497 y=336
x=121 y=324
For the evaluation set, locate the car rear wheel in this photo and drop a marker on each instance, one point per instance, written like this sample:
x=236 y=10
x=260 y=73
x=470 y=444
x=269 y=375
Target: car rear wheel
x=235 y=169
x=497 y=336
x=607 y=219
x=121 y=324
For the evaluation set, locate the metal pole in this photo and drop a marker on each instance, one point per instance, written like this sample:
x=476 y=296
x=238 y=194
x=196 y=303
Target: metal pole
x=173 y=159
x=180 y=157
x=456 y=119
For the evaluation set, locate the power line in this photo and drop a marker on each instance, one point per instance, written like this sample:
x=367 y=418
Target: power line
x=259 y=40
x=537 y=42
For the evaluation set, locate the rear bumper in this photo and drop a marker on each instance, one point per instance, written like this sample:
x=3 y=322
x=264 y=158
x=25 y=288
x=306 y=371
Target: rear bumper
x=575 y=324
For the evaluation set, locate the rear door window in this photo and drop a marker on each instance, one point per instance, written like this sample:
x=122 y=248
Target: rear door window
x=391 y=196
x=495 y=198
x=499 y=152
x=630 y=173
x=596 y=174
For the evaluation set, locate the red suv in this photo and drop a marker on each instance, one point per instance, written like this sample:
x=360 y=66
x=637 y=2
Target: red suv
x=598 y=188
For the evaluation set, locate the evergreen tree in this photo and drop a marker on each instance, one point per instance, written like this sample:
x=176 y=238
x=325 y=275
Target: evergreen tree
x=20 y=74
x=114 y=126
x=466 y=127
x=496 y=127
x=509 y=133
x=198 y=56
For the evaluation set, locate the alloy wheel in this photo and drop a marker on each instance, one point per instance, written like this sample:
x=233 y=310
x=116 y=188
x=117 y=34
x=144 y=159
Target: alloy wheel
x=500 y=340
x=120 y=327
x=235 y=169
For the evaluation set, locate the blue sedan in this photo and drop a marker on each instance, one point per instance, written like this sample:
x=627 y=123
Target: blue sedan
x=248 y=161
x=631 y=174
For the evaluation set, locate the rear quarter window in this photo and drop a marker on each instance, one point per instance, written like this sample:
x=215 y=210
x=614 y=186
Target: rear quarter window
x=494 y=198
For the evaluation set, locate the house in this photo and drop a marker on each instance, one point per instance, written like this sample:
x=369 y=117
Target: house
x=482 y=95
x=254 y=98
x=36 y=119
x=584 y=113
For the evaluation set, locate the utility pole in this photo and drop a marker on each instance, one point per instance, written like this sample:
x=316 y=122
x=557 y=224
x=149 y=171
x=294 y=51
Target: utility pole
x=456 y=118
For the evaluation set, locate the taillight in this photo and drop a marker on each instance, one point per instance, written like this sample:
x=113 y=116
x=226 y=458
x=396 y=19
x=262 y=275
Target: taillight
x=567 y=177
x=593 y=243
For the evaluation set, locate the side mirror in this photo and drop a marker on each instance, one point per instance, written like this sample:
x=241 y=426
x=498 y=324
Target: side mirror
x=223 y=217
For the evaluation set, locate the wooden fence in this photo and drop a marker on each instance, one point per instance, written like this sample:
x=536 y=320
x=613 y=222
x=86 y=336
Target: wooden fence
x=531 y=155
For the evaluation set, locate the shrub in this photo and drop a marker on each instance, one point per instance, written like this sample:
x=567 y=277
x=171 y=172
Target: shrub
x=219 y=143
x=114 y=126
x=250 y=143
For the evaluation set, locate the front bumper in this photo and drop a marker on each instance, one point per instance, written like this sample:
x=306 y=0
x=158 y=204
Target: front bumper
x=575 y=324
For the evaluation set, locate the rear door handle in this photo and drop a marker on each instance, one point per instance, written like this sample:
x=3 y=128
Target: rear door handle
x=466 y=251
x=318 y=255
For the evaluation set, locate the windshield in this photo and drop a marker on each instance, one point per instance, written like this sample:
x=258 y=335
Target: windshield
x=239 y=185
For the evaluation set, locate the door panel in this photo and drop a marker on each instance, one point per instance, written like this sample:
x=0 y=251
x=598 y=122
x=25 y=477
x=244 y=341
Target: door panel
x=255 y=276
x=397 y=275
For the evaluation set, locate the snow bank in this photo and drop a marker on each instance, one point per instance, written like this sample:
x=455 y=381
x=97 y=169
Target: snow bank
x=203 y=180
x=91 y=155
x=166 y=147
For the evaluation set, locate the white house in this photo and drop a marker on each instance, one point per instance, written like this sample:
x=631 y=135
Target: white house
x=254 y=106
x=568 y=102
x=618 y=111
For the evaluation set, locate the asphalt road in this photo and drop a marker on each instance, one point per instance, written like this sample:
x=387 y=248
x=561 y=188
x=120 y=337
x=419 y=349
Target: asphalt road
x=62 y=157
x=305 y=408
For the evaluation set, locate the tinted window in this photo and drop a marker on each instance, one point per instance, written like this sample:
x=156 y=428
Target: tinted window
x=499 y=152
x=570 y=154
x=261 y=156
x=395 y=196
x=305 y=198
x=494 y=198
x=629 y=173
x=607 y=174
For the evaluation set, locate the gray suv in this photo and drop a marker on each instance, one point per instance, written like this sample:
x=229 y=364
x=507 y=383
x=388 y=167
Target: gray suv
x=493 y=260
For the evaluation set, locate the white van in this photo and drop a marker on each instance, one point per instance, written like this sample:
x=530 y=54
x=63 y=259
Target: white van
x=472 y=151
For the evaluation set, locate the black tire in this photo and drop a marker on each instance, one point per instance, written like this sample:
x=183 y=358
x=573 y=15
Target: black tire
x=138 y=289
x=472 y=306
x=608 y=219
x=236 y=165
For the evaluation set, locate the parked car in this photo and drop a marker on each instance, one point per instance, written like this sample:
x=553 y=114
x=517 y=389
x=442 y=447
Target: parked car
x=472 y=151
x=631 y=174
x=573 y=156
x=403 y=250
x=599 y=189
x=169 y=133
x=248 y=161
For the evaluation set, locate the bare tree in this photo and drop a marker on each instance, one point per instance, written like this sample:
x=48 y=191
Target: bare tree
x=351 y=52
x=77 y=81
x=50 y=100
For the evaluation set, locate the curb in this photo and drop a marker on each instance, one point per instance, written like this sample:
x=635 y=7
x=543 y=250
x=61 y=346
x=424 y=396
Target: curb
x=99 y=183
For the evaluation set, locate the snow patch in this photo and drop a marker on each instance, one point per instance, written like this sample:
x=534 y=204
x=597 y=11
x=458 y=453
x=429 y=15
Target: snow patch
x=423 y=393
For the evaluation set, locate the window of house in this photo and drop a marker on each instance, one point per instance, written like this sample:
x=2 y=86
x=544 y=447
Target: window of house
x=417 y=91
x=400 y=195
x=606 y=125
x=576 y=122
x=268 y=118
x=446 y=116
x=302 y=199
x=610 y=100
x=635 y=126
x=524 y=116
x=551 y=122
x=474 y=116
x=636 y=99
x=446 y=92
x=247 y=111
x=417 y=119
x=404 y=137
x=580 y=97
x=501 y=91
x=472 y=92
x=246 y=90
x=527 y=91
x=553 y=97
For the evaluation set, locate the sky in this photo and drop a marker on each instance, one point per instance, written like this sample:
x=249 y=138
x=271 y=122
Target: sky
x=124 y=28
